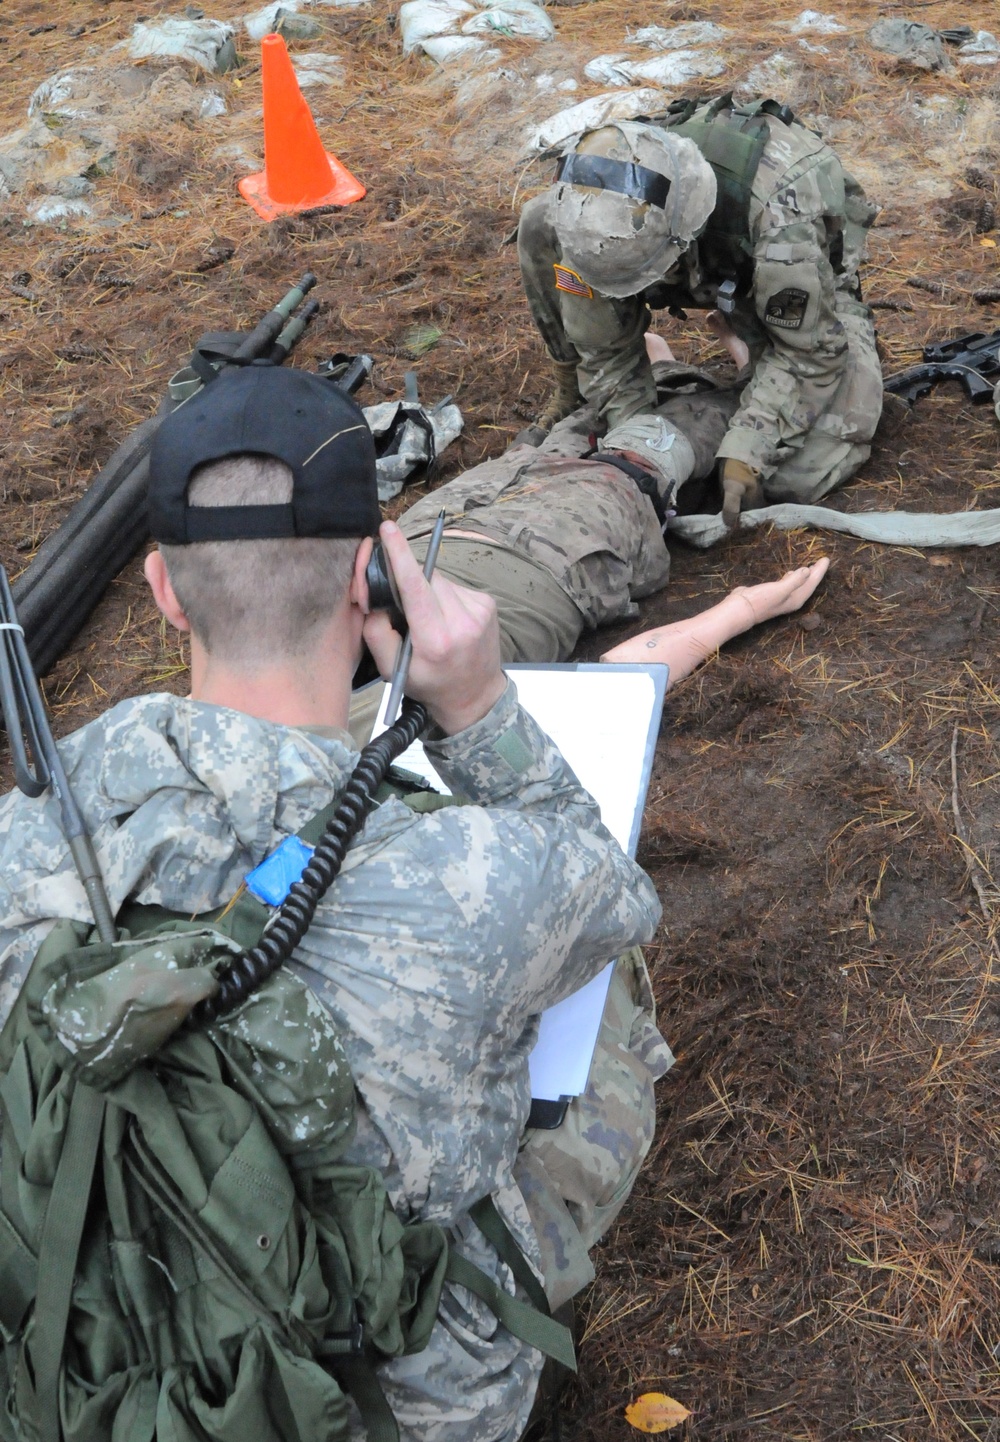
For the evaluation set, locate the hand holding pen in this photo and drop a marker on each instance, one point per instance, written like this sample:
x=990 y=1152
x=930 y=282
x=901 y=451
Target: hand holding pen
x=454 y=640
x=405 y=653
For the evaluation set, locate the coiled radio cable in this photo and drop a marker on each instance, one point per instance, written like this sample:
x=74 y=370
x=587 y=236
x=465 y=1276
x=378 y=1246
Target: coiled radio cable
x=294 y=917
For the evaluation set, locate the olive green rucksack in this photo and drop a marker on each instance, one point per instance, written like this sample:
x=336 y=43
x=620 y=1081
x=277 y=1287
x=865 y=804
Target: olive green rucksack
x=184 y=1253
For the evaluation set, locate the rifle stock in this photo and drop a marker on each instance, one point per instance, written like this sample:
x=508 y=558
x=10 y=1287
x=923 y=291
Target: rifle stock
x=973 y=360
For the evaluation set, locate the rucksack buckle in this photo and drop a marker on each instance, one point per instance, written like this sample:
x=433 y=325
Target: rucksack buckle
x=343 y=1344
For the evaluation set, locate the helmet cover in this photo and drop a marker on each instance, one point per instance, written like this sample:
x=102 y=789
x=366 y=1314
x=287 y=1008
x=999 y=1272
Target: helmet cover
x=628 y=201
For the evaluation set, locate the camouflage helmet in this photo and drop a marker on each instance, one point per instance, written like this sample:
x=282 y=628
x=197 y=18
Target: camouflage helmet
x=628 y=200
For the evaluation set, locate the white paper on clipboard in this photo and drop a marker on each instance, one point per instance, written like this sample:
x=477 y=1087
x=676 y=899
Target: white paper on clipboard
x=605 y=720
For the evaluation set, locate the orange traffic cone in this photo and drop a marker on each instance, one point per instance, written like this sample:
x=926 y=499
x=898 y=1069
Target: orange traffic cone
x=298 y=173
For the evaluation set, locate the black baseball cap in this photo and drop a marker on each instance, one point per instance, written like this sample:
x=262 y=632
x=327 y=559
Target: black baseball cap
x=319 y=432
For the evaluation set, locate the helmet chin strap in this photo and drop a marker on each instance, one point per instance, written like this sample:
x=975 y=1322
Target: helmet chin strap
x=689 y=264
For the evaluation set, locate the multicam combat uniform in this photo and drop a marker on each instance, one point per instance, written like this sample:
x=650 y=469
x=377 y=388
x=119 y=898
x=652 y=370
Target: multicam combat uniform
x=440 y=942
x=571 y=542
x=814 y=396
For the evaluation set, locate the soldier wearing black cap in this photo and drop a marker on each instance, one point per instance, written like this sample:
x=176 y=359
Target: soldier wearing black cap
x=444 y=935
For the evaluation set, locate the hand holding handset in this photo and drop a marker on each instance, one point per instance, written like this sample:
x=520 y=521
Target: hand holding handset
x=454 y=661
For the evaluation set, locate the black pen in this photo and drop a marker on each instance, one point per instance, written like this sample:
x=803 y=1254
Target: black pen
x=402 y=666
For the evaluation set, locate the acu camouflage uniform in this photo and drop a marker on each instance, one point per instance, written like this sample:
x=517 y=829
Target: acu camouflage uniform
x=439 y=943
x=814 y=395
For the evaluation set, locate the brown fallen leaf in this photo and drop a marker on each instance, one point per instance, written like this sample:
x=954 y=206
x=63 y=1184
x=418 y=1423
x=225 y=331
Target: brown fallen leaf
x=655 y=1412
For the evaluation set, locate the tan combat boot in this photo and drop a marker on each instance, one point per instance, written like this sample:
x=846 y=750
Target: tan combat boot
x=562 y=402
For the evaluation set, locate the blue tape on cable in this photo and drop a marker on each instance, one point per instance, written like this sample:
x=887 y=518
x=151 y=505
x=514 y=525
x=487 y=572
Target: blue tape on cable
x=274 y=878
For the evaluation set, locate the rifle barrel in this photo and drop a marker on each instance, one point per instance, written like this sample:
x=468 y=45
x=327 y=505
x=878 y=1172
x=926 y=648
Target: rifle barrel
x=262 y=337
x=292 y=332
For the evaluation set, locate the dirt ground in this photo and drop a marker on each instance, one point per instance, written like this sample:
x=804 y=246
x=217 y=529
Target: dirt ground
x=812 y=1251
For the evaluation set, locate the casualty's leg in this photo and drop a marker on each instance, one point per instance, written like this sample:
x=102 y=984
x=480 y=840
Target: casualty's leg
x=685 y=645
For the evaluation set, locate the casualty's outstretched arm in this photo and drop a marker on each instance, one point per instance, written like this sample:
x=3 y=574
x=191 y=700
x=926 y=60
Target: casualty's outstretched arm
x=685 y=645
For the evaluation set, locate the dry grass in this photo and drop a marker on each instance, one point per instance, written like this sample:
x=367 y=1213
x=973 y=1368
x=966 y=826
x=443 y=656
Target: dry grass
x=812 y=1251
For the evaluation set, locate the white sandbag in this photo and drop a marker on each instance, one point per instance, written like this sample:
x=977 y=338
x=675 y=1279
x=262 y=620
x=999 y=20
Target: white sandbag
x=512 y=17
x=679 y=37
x=420 y=20
x=55 y=95
x=315 y=68
x=170 y=37
x=675 y=68
x=814 y=23
x=569 y=124
x=608 y=69
x=547 y=82
x=451 y=49
x=983 y=49
x=54 y=211
x=774 y=76
x=262 y=22
x=477 y=89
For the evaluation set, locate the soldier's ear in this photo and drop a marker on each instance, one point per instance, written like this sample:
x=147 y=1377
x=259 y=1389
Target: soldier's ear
x=155 y=568
x=358 y=592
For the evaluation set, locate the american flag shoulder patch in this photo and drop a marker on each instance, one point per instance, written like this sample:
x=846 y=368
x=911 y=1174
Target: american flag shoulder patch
x=568 y=280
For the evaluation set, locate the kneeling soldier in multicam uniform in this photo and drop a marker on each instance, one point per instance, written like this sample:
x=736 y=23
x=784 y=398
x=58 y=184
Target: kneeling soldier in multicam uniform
x=740 y=209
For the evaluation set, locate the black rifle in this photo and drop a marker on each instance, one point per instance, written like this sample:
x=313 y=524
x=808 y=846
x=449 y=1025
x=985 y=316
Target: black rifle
x=349 y=372
x=56 y=593
x=973 y=360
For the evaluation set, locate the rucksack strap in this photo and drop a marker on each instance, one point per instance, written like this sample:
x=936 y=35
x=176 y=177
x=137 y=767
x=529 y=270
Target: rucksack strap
x=493 y=1227
x=532 y=1326
x=62 y=1233
x=358 y=1378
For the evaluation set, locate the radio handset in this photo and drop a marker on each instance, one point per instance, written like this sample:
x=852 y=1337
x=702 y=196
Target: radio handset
x=382 y=592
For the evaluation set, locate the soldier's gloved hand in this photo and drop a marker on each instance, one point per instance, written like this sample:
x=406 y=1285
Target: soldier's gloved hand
x=456 y=668
x=741 y=490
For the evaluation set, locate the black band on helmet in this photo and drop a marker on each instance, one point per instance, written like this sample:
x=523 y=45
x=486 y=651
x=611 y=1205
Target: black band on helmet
x=599 y=172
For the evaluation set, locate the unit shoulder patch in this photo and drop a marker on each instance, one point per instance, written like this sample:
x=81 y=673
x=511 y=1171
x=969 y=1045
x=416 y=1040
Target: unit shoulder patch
x=569 y=281
x=787 y=308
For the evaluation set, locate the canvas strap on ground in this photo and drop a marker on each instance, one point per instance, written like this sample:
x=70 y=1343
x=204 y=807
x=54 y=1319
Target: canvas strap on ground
x=891 y=528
